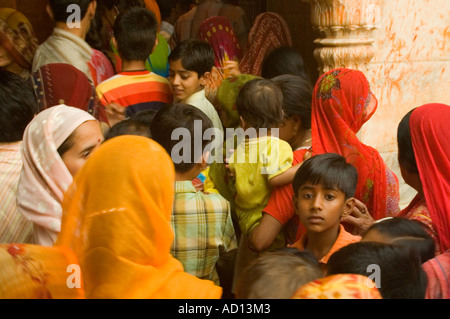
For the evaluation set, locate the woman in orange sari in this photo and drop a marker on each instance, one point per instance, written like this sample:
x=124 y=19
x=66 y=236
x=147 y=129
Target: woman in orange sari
x=341 y=103
x=116 y=218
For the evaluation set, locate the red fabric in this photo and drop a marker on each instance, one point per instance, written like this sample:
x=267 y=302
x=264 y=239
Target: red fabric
x=340 y=106
x=281 y=206
x=219 y=33
x=438 y=273
x=61 y=83
x=269 y=31
x=430 y=136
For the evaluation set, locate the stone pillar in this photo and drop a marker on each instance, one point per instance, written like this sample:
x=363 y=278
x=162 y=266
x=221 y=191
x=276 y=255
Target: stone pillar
x=345 y=29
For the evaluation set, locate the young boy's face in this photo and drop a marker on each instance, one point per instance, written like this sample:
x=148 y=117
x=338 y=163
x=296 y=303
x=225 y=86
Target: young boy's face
x=319 y=208
x=184 y=82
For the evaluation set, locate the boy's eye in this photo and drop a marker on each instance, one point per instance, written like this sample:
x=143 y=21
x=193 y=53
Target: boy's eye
x=329 y=197
x=307 y=196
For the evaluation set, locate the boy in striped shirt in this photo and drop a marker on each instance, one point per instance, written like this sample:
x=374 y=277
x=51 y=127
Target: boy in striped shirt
x=134 y=87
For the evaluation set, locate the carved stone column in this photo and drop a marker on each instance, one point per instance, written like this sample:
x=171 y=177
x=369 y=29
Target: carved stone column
x=345 y=29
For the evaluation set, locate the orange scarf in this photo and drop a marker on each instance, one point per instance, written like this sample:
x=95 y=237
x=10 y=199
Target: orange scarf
x=116 y=219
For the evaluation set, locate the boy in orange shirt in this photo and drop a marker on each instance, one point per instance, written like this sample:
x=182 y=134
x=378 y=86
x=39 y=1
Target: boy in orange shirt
x=323 y=192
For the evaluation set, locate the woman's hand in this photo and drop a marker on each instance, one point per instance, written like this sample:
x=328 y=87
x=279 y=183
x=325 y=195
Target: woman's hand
x=359 y=218
x=115 y=112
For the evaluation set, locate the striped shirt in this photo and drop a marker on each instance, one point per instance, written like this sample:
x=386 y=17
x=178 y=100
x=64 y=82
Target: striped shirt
x=14 y=227
x=203 y=229
x=136 y=90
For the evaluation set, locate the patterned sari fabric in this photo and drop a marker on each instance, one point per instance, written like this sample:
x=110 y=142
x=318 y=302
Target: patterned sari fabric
x=18 y=38
x=38 y=272
x=219 y=33
x=342 y=103
x=44 y=177
x=269 y=31
x=343 y=286
x=116 y=218
x=62 y=83
x=430 y=138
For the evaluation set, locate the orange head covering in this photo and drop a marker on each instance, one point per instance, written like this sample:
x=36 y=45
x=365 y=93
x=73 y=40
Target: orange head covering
x=117 y=221
x=153 y=7
x=343 y=286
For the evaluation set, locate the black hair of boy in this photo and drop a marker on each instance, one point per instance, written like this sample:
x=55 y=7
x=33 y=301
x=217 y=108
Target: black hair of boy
x=278 y=274
x=135 y=32
x=330 y=170
x=61 y=12
x=400 y=270
x=128 y=127
x=18 y=106
x=146 y=117
x=175 y=116
x=407 y=232
x=297 y=97
x=406 y=157
x=195 y=55
x=283 y=60
x=259 y=103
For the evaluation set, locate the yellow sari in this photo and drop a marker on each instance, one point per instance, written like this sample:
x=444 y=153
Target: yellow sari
x=116 y=220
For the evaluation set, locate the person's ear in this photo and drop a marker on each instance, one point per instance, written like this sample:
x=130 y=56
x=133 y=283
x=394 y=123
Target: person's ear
x=49 y=12
x=91 y=10
x=348 y=206
x=242 y=123
x=204 y=164
x=114 y=42
x=156 y=44
x=297 y=122
x=205 y=78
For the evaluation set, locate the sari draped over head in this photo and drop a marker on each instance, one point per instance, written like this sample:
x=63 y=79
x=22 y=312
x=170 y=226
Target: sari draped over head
x=44 y=177
x=269 y=31
x=226 y=98
x=430 y=137
x=117 y=221
x=342 y=286
x=342 y=102
x=219 y=33
x=61 y=83
x=18 y=38
x=152 y=5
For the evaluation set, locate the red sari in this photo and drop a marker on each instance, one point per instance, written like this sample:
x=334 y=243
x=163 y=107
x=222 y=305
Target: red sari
x=269 y=31
x=430 y=138
x=341 y=105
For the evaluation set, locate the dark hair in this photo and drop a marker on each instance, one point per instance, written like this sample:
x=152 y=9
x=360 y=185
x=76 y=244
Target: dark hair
x=59 y=8
x=283 y=60
x=411 y=233
x=406 y=157
x=128 y=127
x=180 y=116
x=146 y=117
x=330 y=170
x=135 y=32
x=400 y=269
x=259 y=102
x=278 y=274
x=18 y=106
x=297 y=97
x=166 y=7
x=195 y=55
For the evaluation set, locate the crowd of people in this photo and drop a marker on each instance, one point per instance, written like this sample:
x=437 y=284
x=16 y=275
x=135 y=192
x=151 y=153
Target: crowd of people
x=171 y=149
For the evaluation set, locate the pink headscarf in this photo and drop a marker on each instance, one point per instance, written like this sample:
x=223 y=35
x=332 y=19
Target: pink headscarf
x=44 y=177
x=430 y=137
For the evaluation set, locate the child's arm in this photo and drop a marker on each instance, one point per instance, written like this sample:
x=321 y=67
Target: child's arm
x=285 y=177
x=263 y=235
